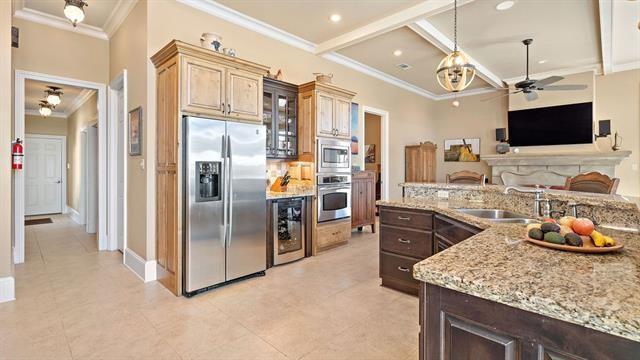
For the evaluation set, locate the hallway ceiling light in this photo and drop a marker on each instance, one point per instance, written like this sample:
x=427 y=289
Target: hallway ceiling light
x=74 y=11
x=397 y=52
x=45 y=108
x=53 y=95
x=505 y=5
x=455 y=73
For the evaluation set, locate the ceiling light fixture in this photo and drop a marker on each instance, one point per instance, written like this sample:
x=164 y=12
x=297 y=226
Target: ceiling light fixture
x=455 y=103
x=45 y=108
x=455 y=73
x=53 y=95
x=542 y=61
x=397 y=52
x=335 y=17
x=505 y=5
x=74 y=11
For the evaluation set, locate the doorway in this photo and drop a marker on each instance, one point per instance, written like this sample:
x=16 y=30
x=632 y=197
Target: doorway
x=23 y=96
x=375 y=148
x=117 y=92
x=45 y=177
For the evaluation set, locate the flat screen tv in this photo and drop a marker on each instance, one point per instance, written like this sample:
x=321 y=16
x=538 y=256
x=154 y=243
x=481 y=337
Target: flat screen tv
x=553 y=125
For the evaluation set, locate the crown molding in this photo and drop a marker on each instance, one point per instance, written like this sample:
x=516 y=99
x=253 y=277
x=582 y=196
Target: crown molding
x=59 y=23
x=225 y=13
x=117 y=16
x=596 y=68
x=55 y=114
x=82 y=98
x=624 y=67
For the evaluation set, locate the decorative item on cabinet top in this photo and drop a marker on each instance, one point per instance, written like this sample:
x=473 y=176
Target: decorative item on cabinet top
x=211 y=41
x=323 y=78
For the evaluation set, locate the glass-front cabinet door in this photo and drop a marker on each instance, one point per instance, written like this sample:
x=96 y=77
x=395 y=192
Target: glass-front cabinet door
x=282 y=119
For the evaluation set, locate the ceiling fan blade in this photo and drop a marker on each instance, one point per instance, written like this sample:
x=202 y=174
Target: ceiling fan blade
x=563 y=87
x=530 y=96
x=501 y=96
x=547 y=81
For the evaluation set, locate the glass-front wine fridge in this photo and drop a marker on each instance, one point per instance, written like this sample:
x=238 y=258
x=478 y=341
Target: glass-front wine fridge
x=288 y=230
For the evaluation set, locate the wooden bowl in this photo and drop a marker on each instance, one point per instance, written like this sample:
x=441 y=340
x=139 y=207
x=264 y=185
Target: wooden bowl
x=587 y=248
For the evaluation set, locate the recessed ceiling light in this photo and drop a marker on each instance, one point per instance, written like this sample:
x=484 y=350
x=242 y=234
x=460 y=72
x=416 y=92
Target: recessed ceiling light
x=505 y=5
x=397 y=52
x=335 y=17
x=404 y=66
x=542 y=61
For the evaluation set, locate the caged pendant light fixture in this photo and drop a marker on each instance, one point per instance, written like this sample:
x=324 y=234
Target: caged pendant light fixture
x=454 y=72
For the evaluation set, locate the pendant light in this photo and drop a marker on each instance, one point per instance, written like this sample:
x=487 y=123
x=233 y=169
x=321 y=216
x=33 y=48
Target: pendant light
x=454 y=72
x=45 y=108
x=53 y=95
x=74 y=11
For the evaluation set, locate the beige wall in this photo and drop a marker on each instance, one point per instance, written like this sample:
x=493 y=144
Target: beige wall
x=128 y=50
x=85 y=116
x=473 y=119
x=166 y=21
x=372 y=132
x=618 y=99
x=6 y=267
x=35 y=124
x=52 y=51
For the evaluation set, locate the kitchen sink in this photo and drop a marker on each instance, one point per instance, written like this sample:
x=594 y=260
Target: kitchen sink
x=498 y=215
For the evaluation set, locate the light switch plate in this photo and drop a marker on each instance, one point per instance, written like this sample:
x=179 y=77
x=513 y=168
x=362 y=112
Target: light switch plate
x=443 y=194
x=142 y=164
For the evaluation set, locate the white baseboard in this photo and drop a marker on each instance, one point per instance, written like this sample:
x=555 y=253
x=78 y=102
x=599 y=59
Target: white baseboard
x=146 y=270
x=7 y=289
x=74 y=214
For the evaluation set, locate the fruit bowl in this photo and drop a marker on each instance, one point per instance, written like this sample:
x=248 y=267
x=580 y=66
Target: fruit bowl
x=571 y=234
x=586 y=248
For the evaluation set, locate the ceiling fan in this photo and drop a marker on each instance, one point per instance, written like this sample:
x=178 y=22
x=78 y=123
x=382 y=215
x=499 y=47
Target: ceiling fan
x=530 y=87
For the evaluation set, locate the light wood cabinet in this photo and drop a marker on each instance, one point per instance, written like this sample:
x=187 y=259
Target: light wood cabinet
x=203 y=88
x=191 y=80
x=420 y=162
x=324 y=110
x=244 y=95
x=363 y=199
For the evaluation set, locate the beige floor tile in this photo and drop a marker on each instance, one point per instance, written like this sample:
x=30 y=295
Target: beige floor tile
x=74 y=301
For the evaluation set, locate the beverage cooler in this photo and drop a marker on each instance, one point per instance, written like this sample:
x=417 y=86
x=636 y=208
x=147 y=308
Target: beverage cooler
x=288 y=217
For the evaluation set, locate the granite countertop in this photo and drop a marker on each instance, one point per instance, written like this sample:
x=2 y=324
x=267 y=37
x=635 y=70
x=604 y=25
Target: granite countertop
x=290 y=193
x=600 y=292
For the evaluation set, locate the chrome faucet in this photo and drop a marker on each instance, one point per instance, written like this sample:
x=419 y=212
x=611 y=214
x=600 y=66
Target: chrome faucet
x=541 y=205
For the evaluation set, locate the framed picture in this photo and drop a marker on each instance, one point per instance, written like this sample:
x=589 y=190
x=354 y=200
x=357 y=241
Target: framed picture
x=135 y=131
x=370 y=155
x=464 y=150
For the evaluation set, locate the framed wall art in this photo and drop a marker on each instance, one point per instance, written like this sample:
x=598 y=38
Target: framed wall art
x=135 y=131
x=463 y=150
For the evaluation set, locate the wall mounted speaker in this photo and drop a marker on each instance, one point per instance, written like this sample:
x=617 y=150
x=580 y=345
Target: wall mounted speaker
x=604 y=128
x=501 y=134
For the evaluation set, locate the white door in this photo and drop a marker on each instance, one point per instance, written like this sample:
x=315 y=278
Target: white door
x=43 y=175
x=92 y=180
x=121 y=160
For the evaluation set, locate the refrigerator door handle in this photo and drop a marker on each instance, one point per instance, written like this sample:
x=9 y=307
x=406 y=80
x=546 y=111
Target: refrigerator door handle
x=230 y=188
x=225 y=200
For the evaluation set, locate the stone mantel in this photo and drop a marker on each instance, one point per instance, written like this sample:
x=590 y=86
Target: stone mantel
x=575 y=158
x=560 y=164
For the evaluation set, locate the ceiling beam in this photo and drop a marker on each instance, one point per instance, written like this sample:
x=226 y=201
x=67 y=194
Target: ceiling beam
x=386 y=24
x=605 y=8
x=442 y=42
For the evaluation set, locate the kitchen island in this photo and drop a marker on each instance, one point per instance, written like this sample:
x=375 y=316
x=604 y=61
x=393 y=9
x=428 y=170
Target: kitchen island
x=495 y=296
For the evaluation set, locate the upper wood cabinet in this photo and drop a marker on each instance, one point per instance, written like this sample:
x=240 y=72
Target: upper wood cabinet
x=324 y=110
x=281 y=119
x=191 y=80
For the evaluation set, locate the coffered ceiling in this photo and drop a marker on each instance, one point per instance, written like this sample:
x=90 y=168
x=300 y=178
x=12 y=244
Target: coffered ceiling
x=73 y=97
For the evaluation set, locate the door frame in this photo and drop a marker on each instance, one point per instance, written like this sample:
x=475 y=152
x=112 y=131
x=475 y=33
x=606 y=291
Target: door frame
x=18 y=176
x=85 y=197
x=117 y=84
x=63 y=164
x=384 y=144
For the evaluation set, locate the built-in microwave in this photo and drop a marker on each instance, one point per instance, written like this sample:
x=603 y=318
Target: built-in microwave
x=334 y=156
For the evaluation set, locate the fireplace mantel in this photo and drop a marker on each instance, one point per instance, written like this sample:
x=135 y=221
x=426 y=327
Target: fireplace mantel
x=567 y=164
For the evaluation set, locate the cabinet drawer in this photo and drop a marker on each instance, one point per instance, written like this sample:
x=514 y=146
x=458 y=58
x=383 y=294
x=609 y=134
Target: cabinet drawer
x=452 y=230
x=404 y=218
x=398 y=268
x=417 y=244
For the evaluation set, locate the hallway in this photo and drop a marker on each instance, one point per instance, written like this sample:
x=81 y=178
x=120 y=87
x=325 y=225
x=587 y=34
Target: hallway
x=76 y=302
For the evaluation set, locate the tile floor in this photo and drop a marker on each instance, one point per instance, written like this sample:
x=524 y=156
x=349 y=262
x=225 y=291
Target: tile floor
x=76 y=302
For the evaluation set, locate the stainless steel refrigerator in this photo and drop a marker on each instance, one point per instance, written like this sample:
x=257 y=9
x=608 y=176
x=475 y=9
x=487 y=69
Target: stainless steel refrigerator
x=224 y=202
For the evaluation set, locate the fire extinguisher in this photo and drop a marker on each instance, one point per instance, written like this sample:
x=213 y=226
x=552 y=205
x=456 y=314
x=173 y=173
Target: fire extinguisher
x=17 y=154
